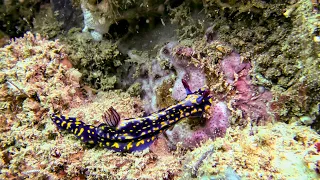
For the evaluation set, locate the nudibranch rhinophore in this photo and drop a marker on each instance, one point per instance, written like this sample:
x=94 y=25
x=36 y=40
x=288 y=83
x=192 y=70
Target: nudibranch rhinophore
x=135 y=134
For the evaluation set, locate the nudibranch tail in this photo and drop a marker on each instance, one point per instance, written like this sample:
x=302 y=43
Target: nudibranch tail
x=136 y=134
x=87 y=133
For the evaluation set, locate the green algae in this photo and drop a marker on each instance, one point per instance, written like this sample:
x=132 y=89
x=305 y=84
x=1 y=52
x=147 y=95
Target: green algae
x=16 y=16
x=97 y=61
x=46 y=24
x=189 y=25
x=135 y=89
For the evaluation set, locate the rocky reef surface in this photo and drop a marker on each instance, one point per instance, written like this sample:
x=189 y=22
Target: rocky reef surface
x=260 y=60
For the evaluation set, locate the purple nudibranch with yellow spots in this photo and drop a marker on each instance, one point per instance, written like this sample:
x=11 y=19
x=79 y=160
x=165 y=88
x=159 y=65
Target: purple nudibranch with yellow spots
x=135 y=134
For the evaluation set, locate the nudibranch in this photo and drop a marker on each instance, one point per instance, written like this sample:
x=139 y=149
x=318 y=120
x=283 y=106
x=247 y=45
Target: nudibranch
x=135 y=134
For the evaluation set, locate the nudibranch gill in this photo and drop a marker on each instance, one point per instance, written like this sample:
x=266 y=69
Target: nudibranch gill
x=135 y=134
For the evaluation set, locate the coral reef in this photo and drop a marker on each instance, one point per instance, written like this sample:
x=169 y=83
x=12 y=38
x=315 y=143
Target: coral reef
x=260 y=60
x=259 y=153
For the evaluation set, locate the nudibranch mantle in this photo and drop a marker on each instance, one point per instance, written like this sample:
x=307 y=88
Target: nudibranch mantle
x=135 y=134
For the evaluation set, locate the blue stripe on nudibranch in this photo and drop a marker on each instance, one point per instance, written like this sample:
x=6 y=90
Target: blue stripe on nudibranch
x=137 y=133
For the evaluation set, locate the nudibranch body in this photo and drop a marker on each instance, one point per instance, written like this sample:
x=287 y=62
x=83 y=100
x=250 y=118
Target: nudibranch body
x=135 y=134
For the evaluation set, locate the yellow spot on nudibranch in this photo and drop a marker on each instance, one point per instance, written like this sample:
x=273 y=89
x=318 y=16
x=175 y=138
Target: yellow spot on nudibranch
x=139 y=143
x=69 y=125
x=194 y=111
x=116 y=145
x=91 y=127
x=75 y=131
x=57 y=121
x=88 y=131
x=207 y=107
x=81 y=131
x=91 y=142
x=187 y=114
x=63 y=123
x=77 y=123
x=129 y=146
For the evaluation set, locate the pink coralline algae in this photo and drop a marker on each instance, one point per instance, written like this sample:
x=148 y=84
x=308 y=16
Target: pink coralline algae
x=252 y=100
x=215 y=126
x=232 y=65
